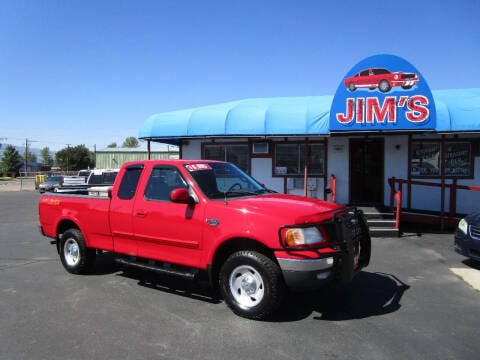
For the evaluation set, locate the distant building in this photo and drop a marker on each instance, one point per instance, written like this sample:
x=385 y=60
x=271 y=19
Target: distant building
x=30 y=167
x=112 y=158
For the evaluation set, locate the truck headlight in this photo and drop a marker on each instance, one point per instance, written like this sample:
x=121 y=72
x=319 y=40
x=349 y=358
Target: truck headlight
x=463 y=226
x=302 y=237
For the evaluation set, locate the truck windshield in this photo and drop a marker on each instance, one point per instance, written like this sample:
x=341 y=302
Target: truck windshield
x=220 y=180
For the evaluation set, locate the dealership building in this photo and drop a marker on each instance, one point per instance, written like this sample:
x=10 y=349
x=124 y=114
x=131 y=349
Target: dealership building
x=383 y=139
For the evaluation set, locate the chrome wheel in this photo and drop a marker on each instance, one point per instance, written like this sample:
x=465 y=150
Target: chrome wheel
x=76 y=257
x=71 y=252
x=246 y=286
x=384 y=86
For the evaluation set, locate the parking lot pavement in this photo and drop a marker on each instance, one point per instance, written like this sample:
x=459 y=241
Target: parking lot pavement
x=406 y=305
x=442 y=242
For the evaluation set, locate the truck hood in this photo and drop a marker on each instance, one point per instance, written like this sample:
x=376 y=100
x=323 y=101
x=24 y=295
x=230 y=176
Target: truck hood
x=289 y=209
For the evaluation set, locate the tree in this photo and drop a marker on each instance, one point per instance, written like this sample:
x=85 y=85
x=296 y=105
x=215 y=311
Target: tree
x=130 y=142
x=30 y=157
x=11 y=160
x=112 y=145
x=47 y=160
x=75 y=158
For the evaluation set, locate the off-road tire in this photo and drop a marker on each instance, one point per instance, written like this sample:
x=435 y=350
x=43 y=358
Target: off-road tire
x=75 y=256
x=251 y=284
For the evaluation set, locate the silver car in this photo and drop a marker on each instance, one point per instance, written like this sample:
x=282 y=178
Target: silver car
x=51 y=184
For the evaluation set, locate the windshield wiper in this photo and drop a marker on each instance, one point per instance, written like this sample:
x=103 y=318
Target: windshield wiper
x=239 y=193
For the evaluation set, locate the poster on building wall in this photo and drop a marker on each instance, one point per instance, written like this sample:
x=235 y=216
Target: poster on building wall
x=383 y=93
x=458 y=159
x=426 y=159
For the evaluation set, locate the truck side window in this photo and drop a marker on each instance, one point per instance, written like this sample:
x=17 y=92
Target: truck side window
x=161 y=182
x=129 y=182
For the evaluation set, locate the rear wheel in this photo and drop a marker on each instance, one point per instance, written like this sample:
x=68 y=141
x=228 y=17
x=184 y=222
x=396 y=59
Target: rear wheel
x=75 y=256
x=251 y=284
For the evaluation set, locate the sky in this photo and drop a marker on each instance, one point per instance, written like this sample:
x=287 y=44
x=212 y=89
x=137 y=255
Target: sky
x=90 y=72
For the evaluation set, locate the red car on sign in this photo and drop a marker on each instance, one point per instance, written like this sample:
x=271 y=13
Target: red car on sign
x=382 y=79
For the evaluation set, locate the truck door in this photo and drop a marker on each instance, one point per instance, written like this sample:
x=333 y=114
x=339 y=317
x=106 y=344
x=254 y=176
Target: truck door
x=121 y=209
x=165 y=230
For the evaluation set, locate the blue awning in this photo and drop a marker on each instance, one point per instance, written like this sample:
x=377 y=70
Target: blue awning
x=284 y=116
x=457 y=111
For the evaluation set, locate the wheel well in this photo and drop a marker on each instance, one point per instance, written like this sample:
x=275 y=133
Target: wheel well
x=63 y=226
x=231 y=246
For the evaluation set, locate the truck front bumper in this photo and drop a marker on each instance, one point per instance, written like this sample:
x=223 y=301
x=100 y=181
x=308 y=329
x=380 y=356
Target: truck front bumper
x=351 y=248
x=306 y=274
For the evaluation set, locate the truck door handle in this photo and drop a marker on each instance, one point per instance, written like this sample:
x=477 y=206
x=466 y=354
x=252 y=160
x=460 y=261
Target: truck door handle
x=141 y=213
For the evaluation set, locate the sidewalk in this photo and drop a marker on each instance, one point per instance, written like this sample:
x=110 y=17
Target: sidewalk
x=18 y=184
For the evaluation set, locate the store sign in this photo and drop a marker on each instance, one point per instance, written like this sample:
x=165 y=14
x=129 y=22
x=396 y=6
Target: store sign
x=383 y=93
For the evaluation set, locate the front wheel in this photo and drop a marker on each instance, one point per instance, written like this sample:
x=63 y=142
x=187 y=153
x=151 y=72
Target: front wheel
x=75 y=256
x=251 y=284
x=384 y=86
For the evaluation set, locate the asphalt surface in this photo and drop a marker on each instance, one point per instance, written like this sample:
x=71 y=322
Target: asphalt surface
x=407 y=304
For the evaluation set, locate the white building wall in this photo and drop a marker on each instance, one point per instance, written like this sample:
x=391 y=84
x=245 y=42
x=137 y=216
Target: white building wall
x=395 y=163
x=261 y=170
x=192 y=150
x=469 y=201
x=338 y=165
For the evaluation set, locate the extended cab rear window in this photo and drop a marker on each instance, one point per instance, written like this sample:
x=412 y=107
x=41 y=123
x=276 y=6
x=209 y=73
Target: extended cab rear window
x=129 y=182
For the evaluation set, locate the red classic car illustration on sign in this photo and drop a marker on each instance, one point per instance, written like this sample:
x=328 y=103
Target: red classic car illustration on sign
x=382 y=79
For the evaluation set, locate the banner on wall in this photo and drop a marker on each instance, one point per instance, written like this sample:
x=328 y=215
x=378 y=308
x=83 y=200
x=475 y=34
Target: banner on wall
x=383 y=93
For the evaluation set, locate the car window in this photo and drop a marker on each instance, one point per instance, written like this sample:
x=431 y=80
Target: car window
x=54 y=179
x=129 y=182
x=105 y=178
x=163 y=179
x=218 y=180
x=380 y=71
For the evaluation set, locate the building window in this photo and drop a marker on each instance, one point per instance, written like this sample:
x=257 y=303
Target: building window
x=458 y=159
x=428 y=156
x=234 y=153
x=290 y=159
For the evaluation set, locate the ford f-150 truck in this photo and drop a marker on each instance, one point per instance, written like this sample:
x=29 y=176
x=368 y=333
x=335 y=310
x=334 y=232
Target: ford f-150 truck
x=199 y=217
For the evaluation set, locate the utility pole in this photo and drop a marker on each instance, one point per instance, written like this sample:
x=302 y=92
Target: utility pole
x=26 y=156
x=27 y=141
x=68 y=154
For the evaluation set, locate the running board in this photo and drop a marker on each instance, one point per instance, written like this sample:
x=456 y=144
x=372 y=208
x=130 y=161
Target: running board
x=161 y=268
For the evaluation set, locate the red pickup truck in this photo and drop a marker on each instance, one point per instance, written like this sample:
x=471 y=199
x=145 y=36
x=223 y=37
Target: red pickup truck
x=194 y=217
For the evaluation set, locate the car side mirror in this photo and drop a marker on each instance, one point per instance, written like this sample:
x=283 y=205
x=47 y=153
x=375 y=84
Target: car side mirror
x=182 y=196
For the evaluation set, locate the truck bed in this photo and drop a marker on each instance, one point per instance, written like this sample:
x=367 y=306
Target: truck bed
x=92 y=212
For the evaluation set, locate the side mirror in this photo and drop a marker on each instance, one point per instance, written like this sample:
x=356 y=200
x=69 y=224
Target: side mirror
x=181 y=196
